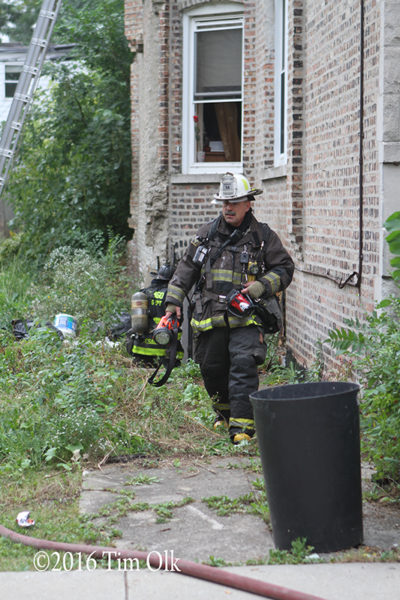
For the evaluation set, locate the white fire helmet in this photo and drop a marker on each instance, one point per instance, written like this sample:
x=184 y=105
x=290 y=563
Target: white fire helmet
x=235 y=188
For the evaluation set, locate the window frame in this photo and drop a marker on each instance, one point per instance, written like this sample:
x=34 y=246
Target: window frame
x=281 y=72
x=229 y=14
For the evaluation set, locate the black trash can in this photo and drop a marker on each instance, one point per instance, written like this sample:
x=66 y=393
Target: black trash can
x=309 y=440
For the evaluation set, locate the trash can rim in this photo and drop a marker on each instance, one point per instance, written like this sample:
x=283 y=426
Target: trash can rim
x=350 y=387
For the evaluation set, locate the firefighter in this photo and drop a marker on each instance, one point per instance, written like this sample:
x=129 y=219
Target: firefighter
x=141 y=344
x=235 y=256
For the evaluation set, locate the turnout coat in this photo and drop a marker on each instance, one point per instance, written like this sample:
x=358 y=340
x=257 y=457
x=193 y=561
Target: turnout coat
x=253 y=253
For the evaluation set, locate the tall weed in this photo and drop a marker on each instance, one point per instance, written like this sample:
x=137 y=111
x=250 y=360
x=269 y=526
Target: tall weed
x=15 y=294
x=374 y=346
x=88 y=286
x=83 y=398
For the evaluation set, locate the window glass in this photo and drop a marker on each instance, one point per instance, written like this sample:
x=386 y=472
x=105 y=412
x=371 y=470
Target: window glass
x=218 y=131
x=215 y=74
x=218 y=64
x=12 y=74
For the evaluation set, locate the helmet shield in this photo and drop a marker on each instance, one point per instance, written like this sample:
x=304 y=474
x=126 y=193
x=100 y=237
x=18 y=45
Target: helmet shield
x=235 y=188
x=165 y=272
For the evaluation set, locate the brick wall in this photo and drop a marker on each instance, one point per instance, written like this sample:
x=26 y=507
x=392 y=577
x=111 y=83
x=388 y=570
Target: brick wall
x=190 y=208
x=329 y=151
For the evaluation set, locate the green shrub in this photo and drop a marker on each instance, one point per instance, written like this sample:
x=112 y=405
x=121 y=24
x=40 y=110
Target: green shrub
x=82 y=284
x=10 y=247
x=57 y=396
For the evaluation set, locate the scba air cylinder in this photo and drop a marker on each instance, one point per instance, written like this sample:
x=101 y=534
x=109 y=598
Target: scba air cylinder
x=139 y=312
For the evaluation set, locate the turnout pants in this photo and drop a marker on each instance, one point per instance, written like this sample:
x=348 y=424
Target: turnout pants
x=228 y=360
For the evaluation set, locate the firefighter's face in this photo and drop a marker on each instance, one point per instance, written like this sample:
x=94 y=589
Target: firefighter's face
x=234 y=212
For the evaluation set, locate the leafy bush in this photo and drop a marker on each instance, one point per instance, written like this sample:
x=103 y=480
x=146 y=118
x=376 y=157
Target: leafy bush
x=56 y=396
x=55 y=399
x=9 y=248
x=84 y=285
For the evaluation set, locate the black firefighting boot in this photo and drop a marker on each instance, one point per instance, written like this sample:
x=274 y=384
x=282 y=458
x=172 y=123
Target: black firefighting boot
x=241 y=430
x=220 y=404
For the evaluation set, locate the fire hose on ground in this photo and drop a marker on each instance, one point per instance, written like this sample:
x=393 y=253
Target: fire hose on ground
x=184 y=567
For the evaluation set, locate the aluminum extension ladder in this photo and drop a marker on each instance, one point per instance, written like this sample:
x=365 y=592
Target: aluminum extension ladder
x=26 y=86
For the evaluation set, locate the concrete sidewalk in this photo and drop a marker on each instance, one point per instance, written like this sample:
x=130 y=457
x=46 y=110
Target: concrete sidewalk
x=196 y=531
x=351 y=581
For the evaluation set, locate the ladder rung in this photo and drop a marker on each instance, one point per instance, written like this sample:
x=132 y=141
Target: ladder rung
x=39 y=42
x=29 y=69
x=47 y=14
x=23 y=97
x=6 y=153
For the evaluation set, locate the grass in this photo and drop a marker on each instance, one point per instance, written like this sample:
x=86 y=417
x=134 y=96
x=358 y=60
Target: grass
x=52 y=498
x=142 y=479
x=299 y=553
x=254 y=503
x=134 y=418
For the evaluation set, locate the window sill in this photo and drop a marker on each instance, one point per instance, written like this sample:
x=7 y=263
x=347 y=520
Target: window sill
x=195 y=178
x=274 y=173
x=204 y=172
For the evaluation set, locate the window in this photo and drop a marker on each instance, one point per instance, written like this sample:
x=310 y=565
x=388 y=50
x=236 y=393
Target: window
x=12 y=73
x=280 y=82
x=213 y=74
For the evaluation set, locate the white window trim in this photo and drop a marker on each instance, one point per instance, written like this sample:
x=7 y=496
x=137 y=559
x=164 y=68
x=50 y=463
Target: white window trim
x=280 y=158
x=212 y=13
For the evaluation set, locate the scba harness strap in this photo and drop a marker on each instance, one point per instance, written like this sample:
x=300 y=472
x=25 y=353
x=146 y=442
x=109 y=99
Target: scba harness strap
x=169 y=360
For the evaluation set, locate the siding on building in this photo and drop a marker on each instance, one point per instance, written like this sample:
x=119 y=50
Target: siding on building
x=313 y=201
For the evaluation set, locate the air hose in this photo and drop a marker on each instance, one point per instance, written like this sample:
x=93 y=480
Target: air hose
x=185 y=567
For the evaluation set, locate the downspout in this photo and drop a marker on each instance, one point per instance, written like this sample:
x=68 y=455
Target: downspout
x=361 y=157
x=358 y=274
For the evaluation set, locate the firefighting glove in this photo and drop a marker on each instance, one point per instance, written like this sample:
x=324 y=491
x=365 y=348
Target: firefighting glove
x=256 y=290
x=170 y=308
